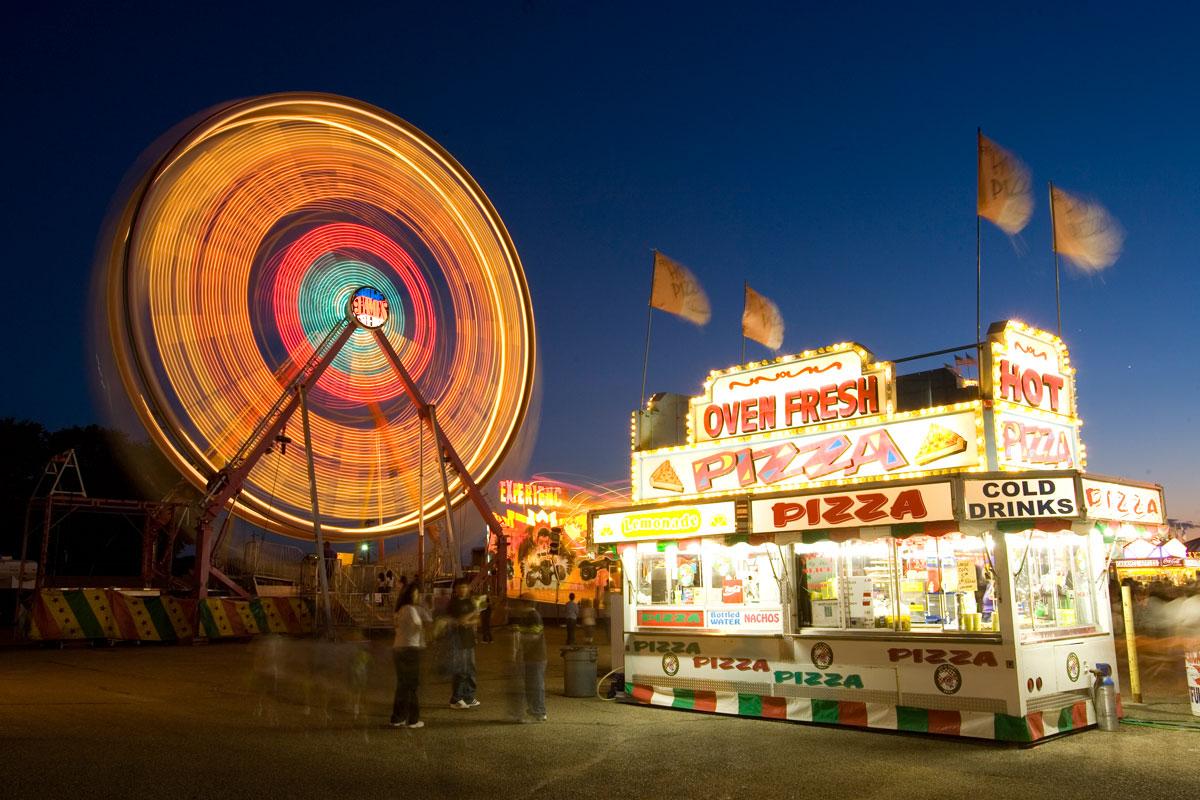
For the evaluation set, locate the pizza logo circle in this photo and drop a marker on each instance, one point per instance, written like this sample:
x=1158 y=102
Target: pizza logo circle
x=1073 y=667
x=821 y=655
x=670 y=664
x=947 y=679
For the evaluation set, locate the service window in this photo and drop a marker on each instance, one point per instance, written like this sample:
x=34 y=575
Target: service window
x=946 y=583
x=921 y=584
x=670 y=575
x=1053 y=584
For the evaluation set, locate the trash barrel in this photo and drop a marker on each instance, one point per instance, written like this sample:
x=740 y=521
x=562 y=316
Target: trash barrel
x=579 y=671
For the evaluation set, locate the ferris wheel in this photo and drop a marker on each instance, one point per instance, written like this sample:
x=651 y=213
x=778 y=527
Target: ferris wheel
x=308 y=258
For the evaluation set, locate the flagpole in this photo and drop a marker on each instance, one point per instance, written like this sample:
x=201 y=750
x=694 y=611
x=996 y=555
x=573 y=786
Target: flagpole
x=1054 y=247
x=745 y=298
x=978 y=255
x=649 y=317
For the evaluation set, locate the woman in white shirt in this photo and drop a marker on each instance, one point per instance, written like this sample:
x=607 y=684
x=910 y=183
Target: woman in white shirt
x=410 y=619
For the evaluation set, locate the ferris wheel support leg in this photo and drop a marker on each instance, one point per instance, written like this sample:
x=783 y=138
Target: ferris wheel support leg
x=451 y=536
x=446 y=451
x=325 y=618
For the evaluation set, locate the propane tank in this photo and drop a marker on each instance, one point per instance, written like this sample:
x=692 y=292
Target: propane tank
x=1104 y=696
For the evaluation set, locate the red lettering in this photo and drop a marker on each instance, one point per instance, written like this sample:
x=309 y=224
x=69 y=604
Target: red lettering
x=778 y=458
x=745 y=467
x=871 y=506
x=766 y=413
x=783 y=513
x=909 y=503
x=1054 y=384
x=847 y=399
x=824 y=453
x=729 y=416
x=828 y=401
x=1031 y=387
x=712 y=421
x=1010 y=381
x=749 y=417
x=838 y=507
x=880 y=447
x=791 y=407
x=708 y=469
x=868 y=395
x=814 y=511
x=808 y=405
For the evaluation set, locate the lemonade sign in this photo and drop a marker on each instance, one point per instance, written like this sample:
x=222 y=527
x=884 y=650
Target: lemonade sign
x=673 y=522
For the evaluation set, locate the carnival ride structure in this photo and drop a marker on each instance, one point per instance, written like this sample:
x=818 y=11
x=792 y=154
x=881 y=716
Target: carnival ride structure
x=311 y=253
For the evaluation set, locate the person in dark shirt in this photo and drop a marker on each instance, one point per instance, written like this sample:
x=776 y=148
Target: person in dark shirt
x=531 y=652
x=461 y=633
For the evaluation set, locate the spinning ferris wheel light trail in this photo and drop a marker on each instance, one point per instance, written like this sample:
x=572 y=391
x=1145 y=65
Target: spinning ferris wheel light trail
x=311 y=252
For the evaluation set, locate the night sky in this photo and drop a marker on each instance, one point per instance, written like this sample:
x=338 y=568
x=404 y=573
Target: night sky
x=826 y=156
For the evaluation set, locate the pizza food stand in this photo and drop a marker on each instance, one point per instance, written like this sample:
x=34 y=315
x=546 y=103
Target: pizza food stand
x=814 y=553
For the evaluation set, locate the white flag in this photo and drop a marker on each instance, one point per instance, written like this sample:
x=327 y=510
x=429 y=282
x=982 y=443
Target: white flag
x=1005 y=190
x=1084 y=232
x=761 y=320
x=677 y=291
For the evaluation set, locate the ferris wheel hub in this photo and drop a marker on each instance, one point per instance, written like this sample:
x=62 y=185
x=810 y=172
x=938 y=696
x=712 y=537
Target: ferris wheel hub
x=368 y=307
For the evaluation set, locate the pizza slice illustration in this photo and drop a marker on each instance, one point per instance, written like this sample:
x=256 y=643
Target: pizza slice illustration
x=666 y=478
x=939 y=443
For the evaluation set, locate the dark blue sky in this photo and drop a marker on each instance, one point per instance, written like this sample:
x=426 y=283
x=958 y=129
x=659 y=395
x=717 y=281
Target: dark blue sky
x=825 y=155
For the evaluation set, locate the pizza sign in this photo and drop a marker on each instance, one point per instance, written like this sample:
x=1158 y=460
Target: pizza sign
x=829 y=385
x=928 y=503
x=1121 y=503
x=913 y=443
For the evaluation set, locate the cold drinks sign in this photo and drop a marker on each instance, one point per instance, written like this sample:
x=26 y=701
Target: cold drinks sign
x=1023 y=498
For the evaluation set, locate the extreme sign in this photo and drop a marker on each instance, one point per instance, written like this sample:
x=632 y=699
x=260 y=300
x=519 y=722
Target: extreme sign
x=911 y=444
x=926 y=503
x=818 y=387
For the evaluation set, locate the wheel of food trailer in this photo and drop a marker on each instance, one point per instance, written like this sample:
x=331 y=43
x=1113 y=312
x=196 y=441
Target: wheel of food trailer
x=579 y=671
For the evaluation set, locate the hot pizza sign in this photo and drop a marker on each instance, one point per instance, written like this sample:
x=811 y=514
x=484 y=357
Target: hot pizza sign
x=822 y=387
x=1030 y=368
x=1026 y=441
x=911 y=443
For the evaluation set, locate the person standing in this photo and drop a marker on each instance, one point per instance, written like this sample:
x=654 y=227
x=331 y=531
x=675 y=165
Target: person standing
x=587 y=618
x=572 y=613
x=410 y=620
x=485 y=617
x=532 y=652
x=461 y=633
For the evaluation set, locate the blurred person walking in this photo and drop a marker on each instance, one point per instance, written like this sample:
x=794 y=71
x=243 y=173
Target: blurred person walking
x=572 y=613
x=485 y=617
x=410 y=619
x=587 y=618
x=530 y=640
x=461 y=635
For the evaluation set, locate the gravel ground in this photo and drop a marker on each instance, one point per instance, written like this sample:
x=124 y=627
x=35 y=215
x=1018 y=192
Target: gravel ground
x=192 y=721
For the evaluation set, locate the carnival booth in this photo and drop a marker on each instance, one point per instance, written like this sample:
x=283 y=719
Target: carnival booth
x=830 y=546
